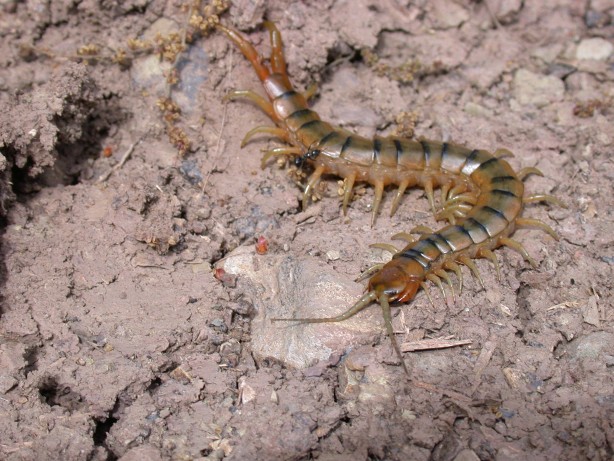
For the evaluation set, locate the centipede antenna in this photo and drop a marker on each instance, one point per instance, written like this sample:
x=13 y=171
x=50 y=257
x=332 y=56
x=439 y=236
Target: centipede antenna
x=363 y=302
x=385 y=305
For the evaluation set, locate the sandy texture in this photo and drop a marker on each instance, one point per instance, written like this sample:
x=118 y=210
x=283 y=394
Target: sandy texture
x=122 y=338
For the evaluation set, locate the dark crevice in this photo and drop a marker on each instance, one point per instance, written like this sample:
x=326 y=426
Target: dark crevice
x=103 y=427
x=55 y=394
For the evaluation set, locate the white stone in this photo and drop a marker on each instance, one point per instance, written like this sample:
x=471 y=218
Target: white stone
x=594 y=48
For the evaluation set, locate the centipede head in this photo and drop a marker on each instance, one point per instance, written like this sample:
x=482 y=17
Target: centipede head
x=311 y=154
x=399 y=280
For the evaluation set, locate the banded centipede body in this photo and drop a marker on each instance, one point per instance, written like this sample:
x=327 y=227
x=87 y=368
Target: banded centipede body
x=482 y=197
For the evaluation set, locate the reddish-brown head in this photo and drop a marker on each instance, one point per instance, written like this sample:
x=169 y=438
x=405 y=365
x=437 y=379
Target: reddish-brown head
x=399 y=279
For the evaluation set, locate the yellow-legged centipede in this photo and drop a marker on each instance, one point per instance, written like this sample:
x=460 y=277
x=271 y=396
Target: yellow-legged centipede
x=483 y=197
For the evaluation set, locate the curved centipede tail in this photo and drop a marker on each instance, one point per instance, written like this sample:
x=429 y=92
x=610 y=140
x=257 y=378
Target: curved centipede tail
x=363 y=302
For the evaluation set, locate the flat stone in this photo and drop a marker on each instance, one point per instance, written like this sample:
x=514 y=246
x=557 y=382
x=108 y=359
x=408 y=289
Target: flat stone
x=284 y=286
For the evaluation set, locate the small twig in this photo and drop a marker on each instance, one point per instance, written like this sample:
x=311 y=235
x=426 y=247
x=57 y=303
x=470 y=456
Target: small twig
x=492 y=15
x=437 y=343
x=481 y=363
x=103 y=177
x=564 y=305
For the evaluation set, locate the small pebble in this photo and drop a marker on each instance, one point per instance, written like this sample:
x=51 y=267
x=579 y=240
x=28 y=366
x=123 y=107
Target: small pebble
x=594 y=48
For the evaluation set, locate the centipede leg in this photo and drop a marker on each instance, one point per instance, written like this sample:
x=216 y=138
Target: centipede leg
x=260 y=101
x=425 y=287
x=445 y=189
x=537 y=224
x=451 y=265
x=403 y=236
x=311 y=91
x=386 y=247
x=371 y=270
x=270 y=130
x=397 y=198
x=517 y=246
x=377 y=200
x=428 y=190
x=503 y=153
x=543 y=198
x=446 y=278
x=464 y=259
x=421 y=230
x=524 y=172
x=278 y=151
x=314 y=179
x=486 y=253
x=437 y=281
x=348 y=185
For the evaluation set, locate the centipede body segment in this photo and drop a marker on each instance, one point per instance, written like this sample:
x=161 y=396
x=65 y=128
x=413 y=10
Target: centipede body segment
x=482 y=197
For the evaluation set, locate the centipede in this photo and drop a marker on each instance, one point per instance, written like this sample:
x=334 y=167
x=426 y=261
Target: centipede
x=482 y=198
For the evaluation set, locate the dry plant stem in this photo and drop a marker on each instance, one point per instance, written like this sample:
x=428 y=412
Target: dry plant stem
x=429 y=344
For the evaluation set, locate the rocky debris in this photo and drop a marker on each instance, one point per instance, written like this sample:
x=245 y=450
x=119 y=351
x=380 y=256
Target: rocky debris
x=537 y=90
x=448 y=14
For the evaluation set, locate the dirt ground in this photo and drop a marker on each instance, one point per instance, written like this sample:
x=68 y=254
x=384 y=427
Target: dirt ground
x=135 y=310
